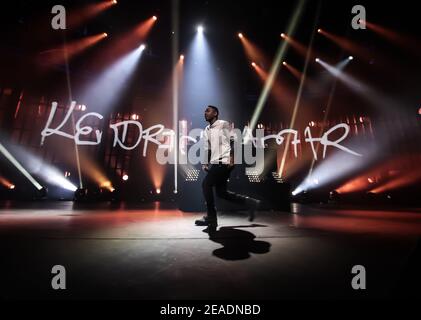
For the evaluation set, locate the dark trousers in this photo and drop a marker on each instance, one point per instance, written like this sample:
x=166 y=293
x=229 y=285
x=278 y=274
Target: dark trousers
x=217 y=177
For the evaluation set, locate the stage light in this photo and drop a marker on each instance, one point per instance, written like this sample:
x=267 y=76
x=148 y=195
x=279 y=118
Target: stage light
x=252 y=51
x=211 y=89
x=284 y=63
x=350 y=57
x=6 y=183
x=155 y=18
x=317 y=60
x=114 y=2
x=80 y=194
x=105 y=34
x=253 y=64
x=158 y=191
x=297 y=191
x=182 y=57
x=319 y=30
x=135 y=116
x=107 y=185
x=200 y=29
x=338 y=72
x=125 y=177
x=283 y=35
x=175 y=191
x=104 y=92
x=419 y=111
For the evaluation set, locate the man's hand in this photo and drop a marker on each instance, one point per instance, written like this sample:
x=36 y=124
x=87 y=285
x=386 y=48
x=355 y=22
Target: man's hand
x=205 y=167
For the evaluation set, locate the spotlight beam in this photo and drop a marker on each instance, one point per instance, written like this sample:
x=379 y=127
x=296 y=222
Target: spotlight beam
x=299 y=93
x=57 y=56
x=377 y=99
x=83 y=14
x=18 y=166
x=104 y=92
x=252 y=52
x=336 y=71
x=276 y=65
x=70 y=96
x=396 y=38
x=328 y=106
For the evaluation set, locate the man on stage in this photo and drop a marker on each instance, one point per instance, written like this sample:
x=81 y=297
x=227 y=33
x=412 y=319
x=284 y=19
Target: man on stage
x=218 y=145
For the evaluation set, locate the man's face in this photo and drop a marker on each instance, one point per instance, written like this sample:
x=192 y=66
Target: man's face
x=210 y=113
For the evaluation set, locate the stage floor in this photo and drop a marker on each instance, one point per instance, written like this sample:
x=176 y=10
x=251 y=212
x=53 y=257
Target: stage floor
x=154 y=251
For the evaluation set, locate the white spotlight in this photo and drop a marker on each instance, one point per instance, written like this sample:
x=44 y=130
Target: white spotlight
x=142 y=47
x=297 y=191
x=200 y=29
x=350 y=57
x=317 y=60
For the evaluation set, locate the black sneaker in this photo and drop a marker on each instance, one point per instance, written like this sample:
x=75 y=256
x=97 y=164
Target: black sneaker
x=253 y=206
x=205 y=221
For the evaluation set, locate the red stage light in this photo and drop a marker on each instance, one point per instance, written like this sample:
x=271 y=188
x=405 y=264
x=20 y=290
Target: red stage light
x=155 y=18
x=240 y=35
x=283 y=35
x=253 y=64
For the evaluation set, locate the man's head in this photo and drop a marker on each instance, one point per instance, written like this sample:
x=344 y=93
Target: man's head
x=211 y=113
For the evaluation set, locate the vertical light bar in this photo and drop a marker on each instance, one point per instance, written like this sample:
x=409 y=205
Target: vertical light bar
x=175 y=85
x=69 y=89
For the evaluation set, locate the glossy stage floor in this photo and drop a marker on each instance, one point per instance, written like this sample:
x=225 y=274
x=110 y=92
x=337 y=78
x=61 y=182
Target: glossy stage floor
x=154 y=251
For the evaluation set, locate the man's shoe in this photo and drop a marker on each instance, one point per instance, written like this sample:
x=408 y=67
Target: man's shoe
x=211 y=230
x=253 y=206
x=205 y=221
